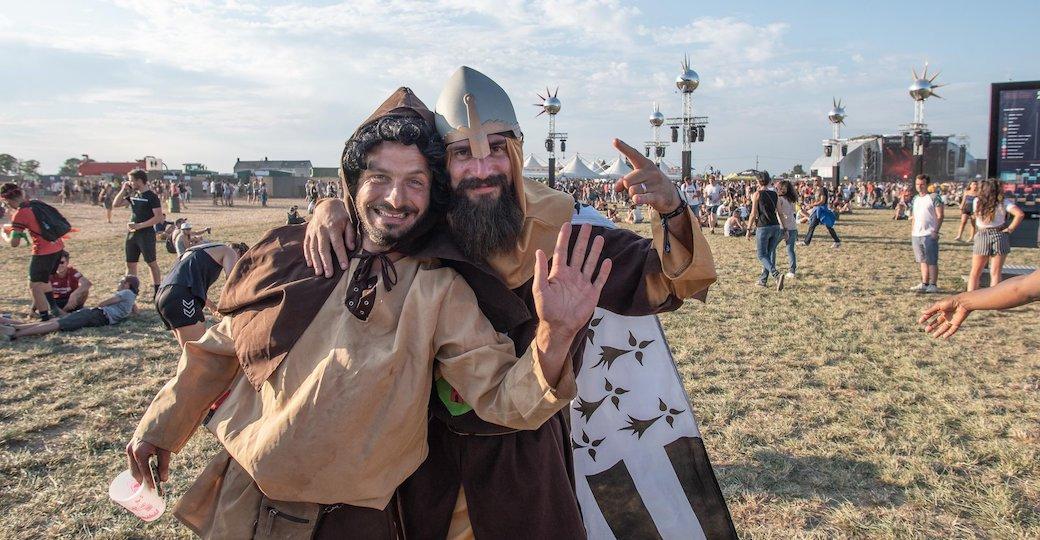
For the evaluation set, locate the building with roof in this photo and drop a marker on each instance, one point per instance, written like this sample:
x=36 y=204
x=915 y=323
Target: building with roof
x=89 y=167
x=266 y=167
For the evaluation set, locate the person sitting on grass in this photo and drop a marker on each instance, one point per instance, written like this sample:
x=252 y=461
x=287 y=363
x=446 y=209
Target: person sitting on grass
x=184 y=238
x=635 y=214
x=69 y=288
x=113 y=310
x=734 y=226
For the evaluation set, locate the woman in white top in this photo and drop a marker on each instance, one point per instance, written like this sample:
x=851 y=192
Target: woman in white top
x=786 y=206
x=992 y=241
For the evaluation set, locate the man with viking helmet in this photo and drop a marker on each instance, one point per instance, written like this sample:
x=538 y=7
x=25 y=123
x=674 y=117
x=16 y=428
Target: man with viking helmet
x=330 y=380
x=489 y=480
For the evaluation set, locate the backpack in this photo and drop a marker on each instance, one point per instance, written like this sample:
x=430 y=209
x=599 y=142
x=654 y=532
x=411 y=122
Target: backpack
x=53 y=225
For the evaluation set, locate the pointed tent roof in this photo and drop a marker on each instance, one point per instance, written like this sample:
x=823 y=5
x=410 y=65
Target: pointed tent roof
x=577 y=168
x=532 y=163
x=618 y=168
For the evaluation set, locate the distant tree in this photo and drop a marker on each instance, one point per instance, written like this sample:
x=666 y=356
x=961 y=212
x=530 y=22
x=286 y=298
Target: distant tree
x=71 y=167
x=798 y=170
x=8 y=164
x=29 y=167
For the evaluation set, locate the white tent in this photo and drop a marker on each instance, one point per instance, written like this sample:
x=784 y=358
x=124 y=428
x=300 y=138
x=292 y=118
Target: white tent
x=533 y=164
x=673 y=172
x=618 y=168
x=577 y=168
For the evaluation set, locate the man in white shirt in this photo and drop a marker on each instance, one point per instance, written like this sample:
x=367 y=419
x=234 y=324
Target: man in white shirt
x=927 y=212
x=691 y=192
x=713 y=197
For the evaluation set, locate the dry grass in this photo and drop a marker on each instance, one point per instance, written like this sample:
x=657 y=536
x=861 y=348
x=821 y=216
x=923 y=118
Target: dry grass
x=826 y=412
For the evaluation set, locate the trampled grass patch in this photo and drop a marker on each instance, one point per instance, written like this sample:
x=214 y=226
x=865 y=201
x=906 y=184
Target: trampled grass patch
x=824 y=409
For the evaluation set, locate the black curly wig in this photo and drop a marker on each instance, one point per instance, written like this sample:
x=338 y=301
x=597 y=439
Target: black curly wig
x=407 y=130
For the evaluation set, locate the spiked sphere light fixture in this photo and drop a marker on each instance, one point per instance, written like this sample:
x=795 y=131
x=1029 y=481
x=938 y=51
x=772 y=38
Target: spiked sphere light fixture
x=923 y=86
x=837 y=113
x=550 y=103
x=688 y=80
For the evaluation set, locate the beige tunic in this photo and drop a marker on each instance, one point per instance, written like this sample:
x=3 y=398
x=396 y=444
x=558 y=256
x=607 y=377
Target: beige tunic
x=343 y=418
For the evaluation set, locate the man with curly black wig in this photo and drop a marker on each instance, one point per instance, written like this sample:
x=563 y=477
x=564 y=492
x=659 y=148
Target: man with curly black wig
x=330 y=379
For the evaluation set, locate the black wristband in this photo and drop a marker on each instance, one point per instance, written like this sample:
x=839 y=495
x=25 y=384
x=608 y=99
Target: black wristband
x=667 y=244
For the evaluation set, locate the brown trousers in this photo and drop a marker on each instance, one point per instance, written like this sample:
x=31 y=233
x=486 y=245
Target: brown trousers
x=225 y=502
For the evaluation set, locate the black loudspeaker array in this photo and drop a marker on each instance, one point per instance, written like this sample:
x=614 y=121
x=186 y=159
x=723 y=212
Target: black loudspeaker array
x=675 y=133
x=844 y=150
x=548 y=145
x=962 y=156
x=827 y=150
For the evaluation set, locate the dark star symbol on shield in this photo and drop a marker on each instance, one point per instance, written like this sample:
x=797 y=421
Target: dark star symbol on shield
x=587 y=408
x=638 y=427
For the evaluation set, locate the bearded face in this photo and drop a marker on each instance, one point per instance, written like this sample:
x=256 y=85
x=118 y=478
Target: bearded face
x=484 y=214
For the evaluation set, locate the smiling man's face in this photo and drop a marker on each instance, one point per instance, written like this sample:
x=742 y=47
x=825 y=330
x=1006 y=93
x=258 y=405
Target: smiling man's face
x=393 y=194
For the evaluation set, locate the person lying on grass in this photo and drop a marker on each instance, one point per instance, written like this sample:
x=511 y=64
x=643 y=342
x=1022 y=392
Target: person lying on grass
x=946 y=316
x=112 y=310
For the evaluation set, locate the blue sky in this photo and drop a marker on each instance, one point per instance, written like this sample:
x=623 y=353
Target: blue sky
x=200 y=81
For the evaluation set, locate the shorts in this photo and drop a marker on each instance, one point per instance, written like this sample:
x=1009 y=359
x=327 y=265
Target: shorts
x=140 y=243
x=696 y=208
x=63 y=304
x=713 y=208
x=990 y=242
x=84 y=318
x=926 y=249
x=41 y=267
x=178 y=307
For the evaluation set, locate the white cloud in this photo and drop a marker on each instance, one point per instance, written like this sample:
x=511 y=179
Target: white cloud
x=315 y=70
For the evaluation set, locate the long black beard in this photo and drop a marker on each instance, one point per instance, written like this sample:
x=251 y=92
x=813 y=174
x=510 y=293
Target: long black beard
x=488 y=226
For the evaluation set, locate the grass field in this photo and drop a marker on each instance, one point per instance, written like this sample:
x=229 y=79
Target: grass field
x=826 y=412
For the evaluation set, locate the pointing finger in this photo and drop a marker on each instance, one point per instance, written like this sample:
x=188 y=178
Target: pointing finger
x=639 y=161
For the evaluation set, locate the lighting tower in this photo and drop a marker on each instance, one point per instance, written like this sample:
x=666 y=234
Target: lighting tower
x=551 y=105
x=692 y=127
x=836 y=116
x=917 y=131
x=655 y=147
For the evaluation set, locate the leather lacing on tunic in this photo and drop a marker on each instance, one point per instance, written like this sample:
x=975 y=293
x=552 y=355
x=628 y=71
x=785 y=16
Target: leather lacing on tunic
x=361 y=292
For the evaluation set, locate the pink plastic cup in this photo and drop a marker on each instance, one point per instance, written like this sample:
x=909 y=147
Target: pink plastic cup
x=145 y=503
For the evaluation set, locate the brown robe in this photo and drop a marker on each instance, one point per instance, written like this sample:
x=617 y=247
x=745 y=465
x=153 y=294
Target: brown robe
x=519 y=484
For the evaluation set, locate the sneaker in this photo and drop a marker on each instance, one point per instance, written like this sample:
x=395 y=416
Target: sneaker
x=789 y=275
x=919 y=288
x=803 y=243
x=760 y=284
x=780 y=282
x=837 y=245
x=931 y=289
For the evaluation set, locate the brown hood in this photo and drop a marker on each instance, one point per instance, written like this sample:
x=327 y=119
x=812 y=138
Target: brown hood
x=403 y=101
x=545 y=211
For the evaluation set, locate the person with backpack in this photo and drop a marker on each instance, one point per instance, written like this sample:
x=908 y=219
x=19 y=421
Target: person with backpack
x=146 y=211
x=45 y=227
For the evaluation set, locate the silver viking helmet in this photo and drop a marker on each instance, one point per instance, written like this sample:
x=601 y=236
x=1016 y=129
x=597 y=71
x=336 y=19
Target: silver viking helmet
x=472 y=106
